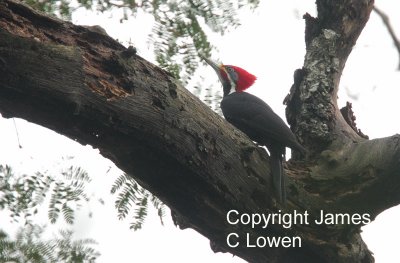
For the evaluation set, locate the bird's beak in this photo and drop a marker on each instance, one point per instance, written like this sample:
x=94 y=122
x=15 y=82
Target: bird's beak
x=214 y=65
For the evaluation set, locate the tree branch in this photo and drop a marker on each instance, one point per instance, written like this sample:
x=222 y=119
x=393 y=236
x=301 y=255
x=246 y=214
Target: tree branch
x=312 y=105
x=352 y=180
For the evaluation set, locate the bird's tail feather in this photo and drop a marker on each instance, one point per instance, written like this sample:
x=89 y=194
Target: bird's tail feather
x=278 y=177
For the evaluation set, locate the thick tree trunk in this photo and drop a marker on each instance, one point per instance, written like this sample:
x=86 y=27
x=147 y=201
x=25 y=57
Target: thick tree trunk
x=81 y=83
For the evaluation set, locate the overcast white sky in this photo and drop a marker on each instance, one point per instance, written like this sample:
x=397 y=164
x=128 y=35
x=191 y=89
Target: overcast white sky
x=270 y=44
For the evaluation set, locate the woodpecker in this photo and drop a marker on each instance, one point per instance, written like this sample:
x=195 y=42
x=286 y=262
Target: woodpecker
x=256 y=119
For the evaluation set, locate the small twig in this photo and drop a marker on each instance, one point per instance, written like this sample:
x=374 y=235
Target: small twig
x=389 y=27
x=134 y=5
x=16 y=131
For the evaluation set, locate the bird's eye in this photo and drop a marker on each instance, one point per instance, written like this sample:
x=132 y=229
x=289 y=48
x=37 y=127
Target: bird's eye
x=230 y=69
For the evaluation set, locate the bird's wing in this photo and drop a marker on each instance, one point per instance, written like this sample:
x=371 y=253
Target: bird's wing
x=254 y=117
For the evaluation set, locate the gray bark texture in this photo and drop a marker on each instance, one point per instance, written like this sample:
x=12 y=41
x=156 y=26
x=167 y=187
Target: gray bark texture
x=81 y=83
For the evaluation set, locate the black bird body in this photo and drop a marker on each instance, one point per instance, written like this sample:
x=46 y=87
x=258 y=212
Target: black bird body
x=256 y=119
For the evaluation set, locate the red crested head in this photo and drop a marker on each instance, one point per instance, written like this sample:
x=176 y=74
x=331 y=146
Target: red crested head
x=233 y=78
x=243 y=80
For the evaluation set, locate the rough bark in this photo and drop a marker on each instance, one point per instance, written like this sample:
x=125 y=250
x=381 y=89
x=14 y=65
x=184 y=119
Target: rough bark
x=81 y=83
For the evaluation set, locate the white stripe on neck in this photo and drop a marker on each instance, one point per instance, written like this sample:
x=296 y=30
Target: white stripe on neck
x=232 y=91
x=233 y=84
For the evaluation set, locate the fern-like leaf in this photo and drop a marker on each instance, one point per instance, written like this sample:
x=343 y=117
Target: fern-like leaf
x=131 y=194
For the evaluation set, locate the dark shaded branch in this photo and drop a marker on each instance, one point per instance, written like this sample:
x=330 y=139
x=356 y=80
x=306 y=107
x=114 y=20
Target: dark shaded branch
x=388 y=25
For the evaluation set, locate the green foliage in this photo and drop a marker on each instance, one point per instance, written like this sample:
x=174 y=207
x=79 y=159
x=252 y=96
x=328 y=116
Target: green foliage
x=130 y=193
x=68 y=193
x=178 y=35
x=23 y=195
x=30 y=246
